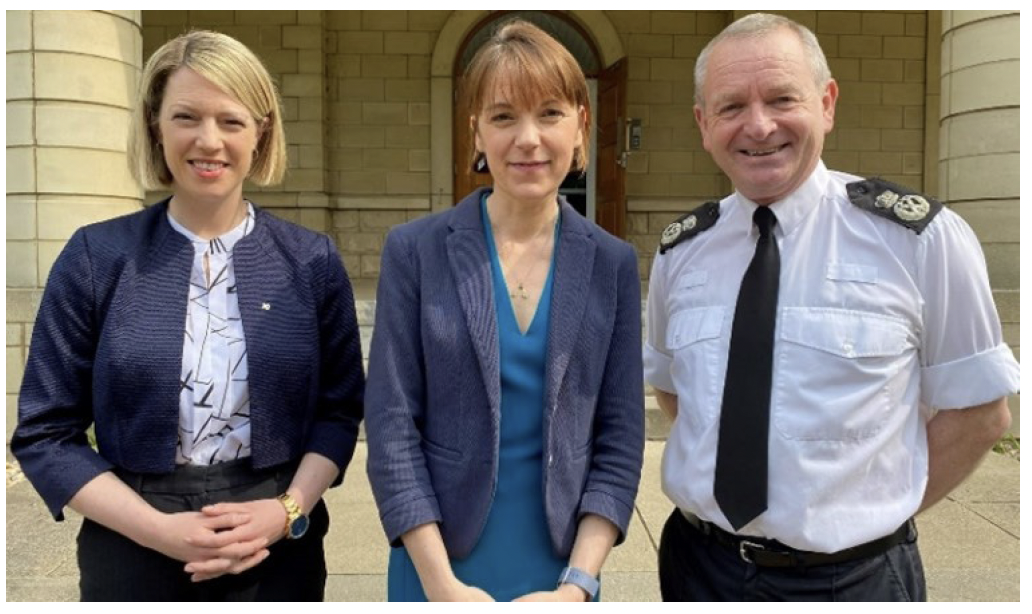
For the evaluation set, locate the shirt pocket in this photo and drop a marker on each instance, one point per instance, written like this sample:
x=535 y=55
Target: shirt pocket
x=839 y=373
x=694 y=338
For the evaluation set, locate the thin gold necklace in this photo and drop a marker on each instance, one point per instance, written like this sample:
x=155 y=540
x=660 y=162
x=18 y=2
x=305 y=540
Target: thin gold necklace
x=521 y=292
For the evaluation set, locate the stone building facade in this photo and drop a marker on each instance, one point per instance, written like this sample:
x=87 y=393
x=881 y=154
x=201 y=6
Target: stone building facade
x=929 y=99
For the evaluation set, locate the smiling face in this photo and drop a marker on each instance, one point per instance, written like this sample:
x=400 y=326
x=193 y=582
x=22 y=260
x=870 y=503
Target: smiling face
x=763 y=117
x=208 y=138
x=529 y=147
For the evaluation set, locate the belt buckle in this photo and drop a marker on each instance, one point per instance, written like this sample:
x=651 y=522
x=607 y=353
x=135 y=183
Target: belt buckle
x=742 y=552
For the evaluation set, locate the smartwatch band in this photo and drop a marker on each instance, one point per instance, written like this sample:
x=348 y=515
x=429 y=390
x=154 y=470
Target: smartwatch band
x=581 y=579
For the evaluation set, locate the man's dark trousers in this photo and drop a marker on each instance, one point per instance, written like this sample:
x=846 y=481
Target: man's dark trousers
x=694 y=567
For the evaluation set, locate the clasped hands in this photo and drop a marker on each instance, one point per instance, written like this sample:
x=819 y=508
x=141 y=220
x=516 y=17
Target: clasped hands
x=222 y=538
x=457 y=591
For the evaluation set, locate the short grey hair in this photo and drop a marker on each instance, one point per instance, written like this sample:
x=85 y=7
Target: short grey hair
x=761 y=24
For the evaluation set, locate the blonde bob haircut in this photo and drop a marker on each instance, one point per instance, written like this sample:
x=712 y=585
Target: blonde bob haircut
x=232 y=67
x=530 y=67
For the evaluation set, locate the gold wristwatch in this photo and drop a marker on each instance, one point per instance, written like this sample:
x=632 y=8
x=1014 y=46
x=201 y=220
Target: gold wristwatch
x=297 y=523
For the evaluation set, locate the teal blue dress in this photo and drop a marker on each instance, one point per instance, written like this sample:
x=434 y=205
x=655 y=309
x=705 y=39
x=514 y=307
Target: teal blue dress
x=514 y=554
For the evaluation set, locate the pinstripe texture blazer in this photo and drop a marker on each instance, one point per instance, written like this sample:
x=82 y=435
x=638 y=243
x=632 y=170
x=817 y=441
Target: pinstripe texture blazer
x=107 y=349
x=434 y=387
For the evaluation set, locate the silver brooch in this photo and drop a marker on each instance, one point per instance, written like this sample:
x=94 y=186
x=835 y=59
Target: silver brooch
x=672 y=231
x=886 y=199
x=911 y=208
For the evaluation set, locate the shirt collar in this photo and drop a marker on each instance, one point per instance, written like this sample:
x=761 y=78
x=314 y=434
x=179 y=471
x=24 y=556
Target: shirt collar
x=227 y=240
x=792 y=209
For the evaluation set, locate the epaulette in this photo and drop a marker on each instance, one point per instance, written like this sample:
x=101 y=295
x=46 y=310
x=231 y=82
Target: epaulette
x=690 y=224
x=894 y=202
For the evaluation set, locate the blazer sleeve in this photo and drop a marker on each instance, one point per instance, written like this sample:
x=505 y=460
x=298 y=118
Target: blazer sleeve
x=619 y=430
x=339 y=406
x=397 y=388
x=55 y=406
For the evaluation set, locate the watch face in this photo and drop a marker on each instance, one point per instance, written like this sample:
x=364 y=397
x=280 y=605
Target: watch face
x=298 y=527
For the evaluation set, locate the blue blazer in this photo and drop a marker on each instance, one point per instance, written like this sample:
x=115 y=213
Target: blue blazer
x=107 y=349
x=434 y=388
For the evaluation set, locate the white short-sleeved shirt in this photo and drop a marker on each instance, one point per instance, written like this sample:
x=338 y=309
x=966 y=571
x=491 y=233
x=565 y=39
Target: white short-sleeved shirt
x=214 y=398
x=877 y=328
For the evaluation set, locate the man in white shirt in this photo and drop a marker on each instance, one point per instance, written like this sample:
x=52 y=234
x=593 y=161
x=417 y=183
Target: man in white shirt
x=832 y=370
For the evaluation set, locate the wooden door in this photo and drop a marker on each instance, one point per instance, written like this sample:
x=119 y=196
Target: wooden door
x=611 y=189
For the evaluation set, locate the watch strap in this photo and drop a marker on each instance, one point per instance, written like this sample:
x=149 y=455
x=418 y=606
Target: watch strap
x=293 y=511
x=581 y=579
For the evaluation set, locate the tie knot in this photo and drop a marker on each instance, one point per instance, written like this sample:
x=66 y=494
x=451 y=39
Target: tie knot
x=764 y=219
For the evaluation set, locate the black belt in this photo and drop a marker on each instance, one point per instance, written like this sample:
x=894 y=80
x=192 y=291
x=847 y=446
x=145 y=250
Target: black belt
x=198 y=479
x=770 y=553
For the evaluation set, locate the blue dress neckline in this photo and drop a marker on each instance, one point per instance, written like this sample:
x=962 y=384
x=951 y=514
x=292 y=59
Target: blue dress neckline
x=499 y=279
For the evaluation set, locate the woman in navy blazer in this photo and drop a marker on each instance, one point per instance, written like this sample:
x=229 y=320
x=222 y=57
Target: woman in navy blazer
x=505 y=454
x=213 y=347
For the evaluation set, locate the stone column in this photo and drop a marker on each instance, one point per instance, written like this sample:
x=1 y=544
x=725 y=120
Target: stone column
x=71 y=79
x=979 y=146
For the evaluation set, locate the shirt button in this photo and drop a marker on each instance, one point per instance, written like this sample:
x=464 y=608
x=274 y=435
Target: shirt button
x=847 y=348
x=551 y=461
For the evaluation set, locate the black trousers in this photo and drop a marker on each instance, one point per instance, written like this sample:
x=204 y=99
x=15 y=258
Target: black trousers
x=694 y=567
x=114 y=568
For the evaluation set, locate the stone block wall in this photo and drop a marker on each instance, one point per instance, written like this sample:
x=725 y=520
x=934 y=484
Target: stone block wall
x=378 y=72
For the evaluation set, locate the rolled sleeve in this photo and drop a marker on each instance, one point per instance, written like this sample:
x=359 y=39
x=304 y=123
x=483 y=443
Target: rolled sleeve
x=613 y=509
x=971 y=381
x=964 y=361
x=403 y=515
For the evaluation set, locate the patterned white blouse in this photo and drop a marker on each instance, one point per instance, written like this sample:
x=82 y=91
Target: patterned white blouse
x=214 y=402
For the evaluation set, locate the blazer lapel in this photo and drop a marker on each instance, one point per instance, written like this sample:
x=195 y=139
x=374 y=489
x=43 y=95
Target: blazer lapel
x=471 y=270
x=571 y=282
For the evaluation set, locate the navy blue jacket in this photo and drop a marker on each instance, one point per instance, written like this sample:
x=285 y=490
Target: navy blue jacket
x=107 y=349
x=434 y=388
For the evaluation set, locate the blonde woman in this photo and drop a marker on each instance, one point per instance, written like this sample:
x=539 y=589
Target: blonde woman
x=213 y=347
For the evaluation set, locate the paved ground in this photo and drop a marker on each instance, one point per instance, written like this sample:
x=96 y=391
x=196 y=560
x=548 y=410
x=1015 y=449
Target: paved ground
x=970 y=542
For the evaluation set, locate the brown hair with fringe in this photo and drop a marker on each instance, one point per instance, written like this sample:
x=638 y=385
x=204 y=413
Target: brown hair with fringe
x=529 y=66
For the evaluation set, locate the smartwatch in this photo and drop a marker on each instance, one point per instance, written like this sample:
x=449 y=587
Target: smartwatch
x=297 y=523
x=579 y=578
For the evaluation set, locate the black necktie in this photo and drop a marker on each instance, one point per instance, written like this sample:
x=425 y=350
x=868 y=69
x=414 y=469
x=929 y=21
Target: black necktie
x=740 y=484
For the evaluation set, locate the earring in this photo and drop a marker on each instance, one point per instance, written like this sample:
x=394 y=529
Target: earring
x=480 y=163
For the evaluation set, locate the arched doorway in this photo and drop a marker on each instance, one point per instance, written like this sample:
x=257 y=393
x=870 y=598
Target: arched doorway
x=599 y=194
